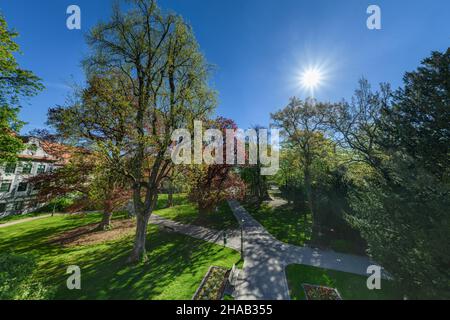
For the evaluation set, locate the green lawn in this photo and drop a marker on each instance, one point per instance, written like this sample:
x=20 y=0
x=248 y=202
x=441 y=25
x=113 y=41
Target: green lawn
x=183 y=212
x=187 y=213
x=178 y=199
x=175 y=268
x=283 y=223
x=288 y=224
x=350 y=286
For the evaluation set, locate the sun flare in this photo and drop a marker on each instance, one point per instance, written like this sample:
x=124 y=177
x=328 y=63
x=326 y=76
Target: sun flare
x=311 y=78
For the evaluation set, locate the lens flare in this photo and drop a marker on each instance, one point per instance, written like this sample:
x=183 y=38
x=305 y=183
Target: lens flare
x=311 y=78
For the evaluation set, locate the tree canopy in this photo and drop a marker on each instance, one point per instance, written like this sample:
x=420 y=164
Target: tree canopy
x=15 y=83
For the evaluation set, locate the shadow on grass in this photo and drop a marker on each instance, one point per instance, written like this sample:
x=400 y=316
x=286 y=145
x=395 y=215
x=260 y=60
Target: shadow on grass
x=284 y=222
x=350 y=286
x=176 y=263
x=222 y=219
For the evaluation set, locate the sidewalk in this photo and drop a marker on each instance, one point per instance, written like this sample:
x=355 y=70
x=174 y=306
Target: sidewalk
x=265 y=260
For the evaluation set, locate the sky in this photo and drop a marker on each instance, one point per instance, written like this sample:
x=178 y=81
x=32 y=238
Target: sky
x=258 y=47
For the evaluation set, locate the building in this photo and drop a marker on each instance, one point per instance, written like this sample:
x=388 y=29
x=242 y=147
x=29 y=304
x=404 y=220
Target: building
x=17 y=196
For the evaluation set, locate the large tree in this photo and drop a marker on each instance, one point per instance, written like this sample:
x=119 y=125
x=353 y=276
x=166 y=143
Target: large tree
x=419 y=121
x=15 y=83
x=401 y=204
x=257 y=183
x=210 y=184
x=356 y=124
x=167 y=76
x=302 y=123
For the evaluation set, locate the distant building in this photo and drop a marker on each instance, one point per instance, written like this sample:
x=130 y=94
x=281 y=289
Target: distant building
x=17 y=196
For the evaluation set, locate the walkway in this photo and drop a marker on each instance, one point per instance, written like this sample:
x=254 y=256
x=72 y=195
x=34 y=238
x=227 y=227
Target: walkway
x=265 y=260
x=7 y=224
x=206 y=234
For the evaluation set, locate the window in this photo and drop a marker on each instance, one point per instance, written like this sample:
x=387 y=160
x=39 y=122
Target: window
x=2 y=207
x=18 y=205
x=26 y=168
x=40 y=168
x=22 y=187
x=34 y=203
x=10 y=168
x=5 y=186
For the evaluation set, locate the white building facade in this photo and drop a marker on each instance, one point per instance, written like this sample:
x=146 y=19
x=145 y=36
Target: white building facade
x=17 y=196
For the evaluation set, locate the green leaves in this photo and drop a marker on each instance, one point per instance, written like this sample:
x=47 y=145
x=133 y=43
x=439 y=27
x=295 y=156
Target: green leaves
x=14 y=84
x=16 y=281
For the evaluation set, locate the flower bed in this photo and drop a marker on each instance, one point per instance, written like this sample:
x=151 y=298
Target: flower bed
x=314 y=292
x=212 y=285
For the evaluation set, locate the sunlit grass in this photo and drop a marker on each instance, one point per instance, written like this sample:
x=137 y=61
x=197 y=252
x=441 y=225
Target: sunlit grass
x=222 y=219
x=176 y=264
x=284 y=223
x=350 y=286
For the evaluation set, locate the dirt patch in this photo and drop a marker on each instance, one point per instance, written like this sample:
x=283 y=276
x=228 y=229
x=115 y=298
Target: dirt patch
x=88 y=235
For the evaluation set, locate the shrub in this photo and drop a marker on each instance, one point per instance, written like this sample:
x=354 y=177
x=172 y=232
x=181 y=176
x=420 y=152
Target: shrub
x=16 y=280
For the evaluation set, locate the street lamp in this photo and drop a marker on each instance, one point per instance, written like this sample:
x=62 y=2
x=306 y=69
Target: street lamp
x=242 y=239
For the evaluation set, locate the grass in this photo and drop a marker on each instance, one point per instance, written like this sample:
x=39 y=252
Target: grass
x=345 y=246
x=176 y=265
x=350 y=286
x=288 y=225
x=284 y=223
x=178 y=199
x=187 y=213
x=183 y=212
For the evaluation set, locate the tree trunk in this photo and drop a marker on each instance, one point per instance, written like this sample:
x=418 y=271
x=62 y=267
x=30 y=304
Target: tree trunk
x=139 y=252
x=309 y=195
x=170 y=198
x=107 y=215
x=203 y=211
x=106 y=221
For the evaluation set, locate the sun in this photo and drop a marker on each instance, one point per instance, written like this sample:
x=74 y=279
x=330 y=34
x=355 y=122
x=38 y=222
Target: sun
x=311 y=78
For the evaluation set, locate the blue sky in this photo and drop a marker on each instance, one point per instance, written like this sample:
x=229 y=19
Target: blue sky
x=258 y=46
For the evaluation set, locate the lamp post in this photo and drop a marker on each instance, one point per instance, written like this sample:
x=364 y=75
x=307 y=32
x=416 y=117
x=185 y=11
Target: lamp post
x=225 y=238
x=242 y=239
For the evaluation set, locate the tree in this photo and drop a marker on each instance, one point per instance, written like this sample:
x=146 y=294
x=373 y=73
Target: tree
x=159 y=57
x=210 y=184
x=14 y=84
x=356 y=124
x=87 y=176
x=418 y=122
x=401 y=205
x=257 y=183
x=289 y=178
x=302 y=123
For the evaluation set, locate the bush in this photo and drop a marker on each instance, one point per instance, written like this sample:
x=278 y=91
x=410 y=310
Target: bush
x=59 y=205
x=16 y=280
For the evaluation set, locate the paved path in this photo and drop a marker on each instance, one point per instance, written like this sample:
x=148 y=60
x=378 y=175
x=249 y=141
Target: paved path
x=265 y=259
x=210 y=235
x=7 y=224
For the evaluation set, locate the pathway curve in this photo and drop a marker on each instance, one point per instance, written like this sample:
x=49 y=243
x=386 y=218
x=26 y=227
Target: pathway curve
x=265 y=260
x=206 y=234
